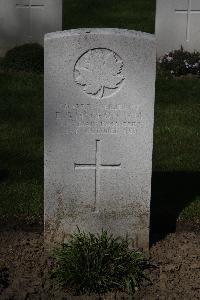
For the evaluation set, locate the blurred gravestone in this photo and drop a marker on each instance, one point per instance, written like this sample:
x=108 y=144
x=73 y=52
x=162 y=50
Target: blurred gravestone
x=26 y=21
x=99 y=107
x=177 y=24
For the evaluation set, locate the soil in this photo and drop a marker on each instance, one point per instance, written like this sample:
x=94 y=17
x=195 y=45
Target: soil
x=175 y=273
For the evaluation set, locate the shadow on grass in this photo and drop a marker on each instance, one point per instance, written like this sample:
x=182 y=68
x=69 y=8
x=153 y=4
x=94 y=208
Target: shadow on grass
x=137 y=14
x=3 y=175
x=171 y=193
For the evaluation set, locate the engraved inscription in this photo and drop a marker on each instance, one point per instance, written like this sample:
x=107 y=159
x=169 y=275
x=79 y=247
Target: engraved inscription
x=98 y=166
x=99 y=72
x=99 y=119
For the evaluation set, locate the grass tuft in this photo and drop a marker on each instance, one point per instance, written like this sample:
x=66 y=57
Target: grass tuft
x=98 y=264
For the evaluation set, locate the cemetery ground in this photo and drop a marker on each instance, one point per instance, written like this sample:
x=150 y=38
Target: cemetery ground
x=175 y=204
x=175 y=200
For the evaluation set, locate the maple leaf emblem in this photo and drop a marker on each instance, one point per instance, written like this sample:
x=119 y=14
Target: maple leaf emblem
x=99 y=72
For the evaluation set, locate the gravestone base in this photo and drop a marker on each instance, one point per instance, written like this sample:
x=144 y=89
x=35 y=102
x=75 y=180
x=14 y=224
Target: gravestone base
x=136 y=229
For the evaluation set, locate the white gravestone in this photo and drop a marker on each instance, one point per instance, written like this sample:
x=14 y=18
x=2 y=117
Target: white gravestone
x=177 y=24
x=99 y=107
x=26 y=21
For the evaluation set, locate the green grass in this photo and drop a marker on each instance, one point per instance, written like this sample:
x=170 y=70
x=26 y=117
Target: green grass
x=28 y=58
x=176 y=131
x=21 y=145
x=192 y=211
x=176 y=137
x=176 y=155
x=98 y=264
x=132 y=14
x=177 y=125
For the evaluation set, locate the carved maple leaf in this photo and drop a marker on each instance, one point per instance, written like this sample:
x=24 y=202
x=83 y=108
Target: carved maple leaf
x=99 y=69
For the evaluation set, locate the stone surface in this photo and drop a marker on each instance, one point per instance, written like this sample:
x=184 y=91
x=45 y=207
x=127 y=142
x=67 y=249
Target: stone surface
x=99 y=107
x=177 y=24
x=25 y=21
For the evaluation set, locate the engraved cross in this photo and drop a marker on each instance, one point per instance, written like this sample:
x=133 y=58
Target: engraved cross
x=29 y=4
x=189 y=12
x=97 y=166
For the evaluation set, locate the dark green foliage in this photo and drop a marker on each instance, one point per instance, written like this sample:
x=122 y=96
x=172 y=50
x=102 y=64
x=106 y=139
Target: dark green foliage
x=177 y=111
x=131 y=14
x=180 y=62
x=28 y=58
x=21 y=146
x=176 y=137
x=98 y=264
x=177 y=125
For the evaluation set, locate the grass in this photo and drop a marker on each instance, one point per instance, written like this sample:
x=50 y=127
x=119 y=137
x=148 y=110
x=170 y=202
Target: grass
x=90 y=264
x=176 y=137
x=132 y=14
x=28 y=58
x=192 y=211
x=21 y=145
x=177 y=125
x=176 y=131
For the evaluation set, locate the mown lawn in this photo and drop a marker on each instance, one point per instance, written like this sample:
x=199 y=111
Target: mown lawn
x=21 y=145
x=177 y=125
x=176 y=157
x=132 y=14
x=176 y=137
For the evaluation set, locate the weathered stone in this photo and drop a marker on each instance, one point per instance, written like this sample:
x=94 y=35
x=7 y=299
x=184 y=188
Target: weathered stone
x=99 y=107
x=177 y=24
x=26 y=21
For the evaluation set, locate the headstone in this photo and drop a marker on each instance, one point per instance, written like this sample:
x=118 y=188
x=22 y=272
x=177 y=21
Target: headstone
x=26 y=21
x=177 y=24
x=99 y=107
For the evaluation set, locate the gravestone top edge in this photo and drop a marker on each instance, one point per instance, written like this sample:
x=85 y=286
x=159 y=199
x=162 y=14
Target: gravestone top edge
x=99 y=31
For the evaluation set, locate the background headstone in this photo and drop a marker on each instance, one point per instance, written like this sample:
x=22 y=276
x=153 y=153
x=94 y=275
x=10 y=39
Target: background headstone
x=26 y=21
x=99 y=107
x=177 y=24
